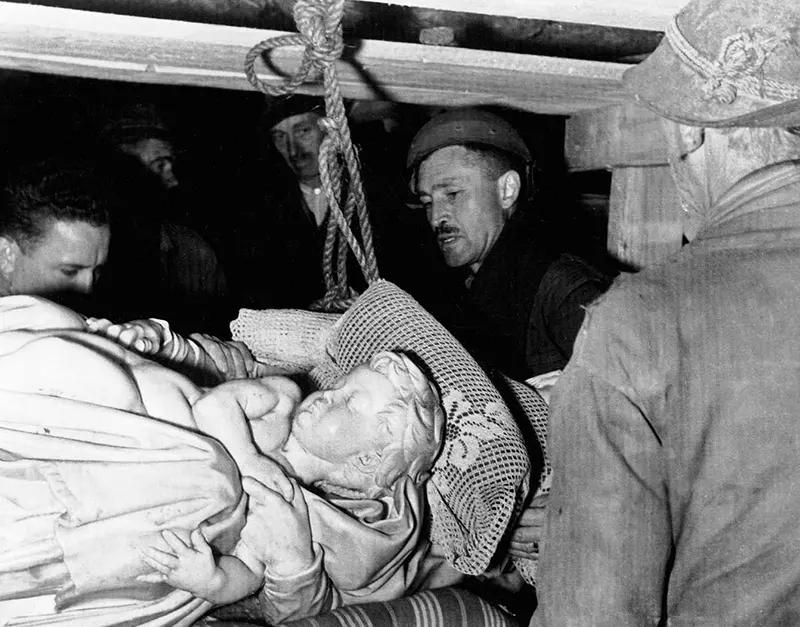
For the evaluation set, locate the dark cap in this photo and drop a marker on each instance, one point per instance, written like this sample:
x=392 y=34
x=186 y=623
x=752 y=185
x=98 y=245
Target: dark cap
x=134 y=123
x=465 y=126
x=283 y=107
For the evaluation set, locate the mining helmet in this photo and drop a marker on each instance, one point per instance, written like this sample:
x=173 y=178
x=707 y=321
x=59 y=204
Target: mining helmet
x=465 y=126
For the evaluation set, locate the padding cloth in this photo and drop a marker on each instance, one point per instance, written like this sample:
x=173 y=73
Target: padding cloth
x=481 y=479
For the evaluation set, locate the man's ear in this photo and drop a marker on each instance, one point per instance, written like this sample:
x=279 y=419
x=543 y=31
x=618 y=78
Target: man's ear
x=508 y=188
x=9 y=251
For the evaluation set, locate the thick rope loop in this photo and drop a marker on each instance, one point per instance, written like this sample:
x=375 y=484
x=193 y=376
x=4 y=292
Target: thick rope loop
x=320 y=37
x=319 y=23
x=292 y=83
x=328 y=152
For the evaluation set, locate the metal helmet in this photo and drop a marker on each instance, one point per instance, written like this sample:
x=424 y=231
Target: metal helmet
x=465 y=126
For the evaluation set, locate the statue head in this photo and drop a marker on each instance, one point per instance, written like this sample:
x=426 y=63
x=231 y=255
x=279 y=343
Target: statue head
x=380 y=422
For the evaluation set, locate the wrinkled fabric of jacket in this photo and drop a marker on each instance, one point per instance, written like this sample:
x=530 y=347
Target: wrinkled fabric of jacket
x=675 y=433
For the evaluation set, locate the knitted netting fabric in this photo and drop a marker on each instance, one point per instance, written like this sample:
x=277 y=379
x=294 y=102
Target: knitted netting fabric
x=481 y=478
x=536 y=411
x=293 y=339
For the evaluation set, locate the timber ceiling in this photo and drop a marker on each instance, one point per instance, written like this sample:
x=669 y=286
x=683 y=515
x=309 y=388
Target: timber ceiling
x=407 y=24
x=540 y=56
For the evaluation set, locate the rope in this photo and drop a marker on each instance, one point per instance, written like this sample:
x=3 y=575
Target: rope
x=738 y=66
x=319 y=23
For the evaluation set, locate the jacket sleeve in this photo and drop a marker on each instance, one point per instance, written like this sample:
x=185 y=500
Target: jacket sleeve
x=306 y=593
x=608 y=537
x=567 y=288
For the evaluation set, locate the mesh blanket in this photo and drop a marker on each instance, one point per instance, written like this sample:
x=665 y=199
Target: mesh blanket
x=481 y=479
x=535 y=410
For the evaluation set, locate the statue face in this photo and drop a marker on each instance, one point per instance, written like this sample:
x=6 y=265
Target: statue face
x=341 y=424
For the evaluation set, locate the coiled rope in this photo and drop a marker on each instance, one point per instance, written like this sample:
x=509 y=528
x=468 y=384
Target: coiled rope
x=319 y=23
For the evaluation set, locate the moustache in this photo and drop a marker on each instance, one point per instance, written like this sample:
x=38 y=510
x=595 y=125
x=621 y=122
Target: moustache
x=303 y=156
x=445 y=229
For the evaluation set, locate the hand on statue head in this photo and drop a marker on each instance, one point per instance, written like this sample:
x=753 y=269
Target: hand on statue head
x=144 y=336
x=286 y=549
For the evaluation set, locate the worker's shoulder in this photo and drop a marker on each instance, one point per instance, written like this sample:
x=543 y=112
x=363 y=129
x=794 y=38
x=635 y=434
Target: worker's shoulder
x=635 y=298
x=568 y=271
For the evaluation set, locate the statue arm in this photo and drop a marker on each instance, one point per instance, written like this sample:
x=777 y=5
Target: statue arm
x=296 y=583
x=224 y=412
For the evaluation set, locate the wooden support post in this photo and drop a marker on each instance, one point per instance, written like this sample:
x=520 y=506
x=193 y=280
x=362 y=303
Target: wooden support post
x=644 y=223
x=623 y=135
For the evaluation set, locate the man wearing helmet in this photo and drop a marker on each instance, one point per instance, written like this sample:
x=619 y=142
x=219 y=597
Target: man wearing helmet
x=523 y=302
x=674 y=430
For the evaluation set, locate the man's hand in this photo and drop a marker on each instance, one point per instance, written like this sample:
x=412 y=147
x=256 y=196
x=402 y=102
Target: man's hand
x=187 y=566
x=144 y=336
x=286 y=547
x=529 y=530
x=233 y=359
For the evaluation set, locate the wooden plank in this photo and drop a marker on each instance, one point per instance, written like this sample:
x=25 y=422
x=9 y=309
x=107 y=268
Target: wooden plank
x=636 y=14
x=644 y=222
x=623 y=135
x=126 y=48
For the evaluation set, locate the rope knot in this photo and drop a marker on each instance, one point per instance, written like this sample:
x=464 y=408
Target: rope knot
x=323 y=32
x=739 y=65
x=319 y=23
x=741 y=54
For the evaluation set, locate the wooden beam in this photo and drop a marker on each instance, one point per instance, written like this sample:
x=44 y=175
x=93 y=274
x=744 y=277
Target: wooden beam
x=125 y=48
x=636 y=14
x=644 y=218
x=623 y=135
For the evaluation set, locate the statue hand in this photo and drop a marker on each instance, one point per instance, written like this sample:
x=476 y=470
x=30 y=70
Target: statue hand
x=264 y=471
x=286 y=547
x=188 y=565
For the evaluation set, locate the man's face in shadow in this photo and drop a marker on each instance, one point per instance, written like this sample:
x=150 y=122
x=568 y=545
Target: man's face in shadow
x=297 y=139
x=67 y=259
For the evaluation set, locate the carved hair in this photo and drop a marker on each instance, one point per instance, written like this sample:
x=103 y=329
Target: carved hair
x=415 y=418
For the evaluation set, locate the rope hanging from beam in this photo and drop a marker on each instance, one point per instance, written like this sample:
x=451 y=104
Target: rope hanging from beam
x=319 y=23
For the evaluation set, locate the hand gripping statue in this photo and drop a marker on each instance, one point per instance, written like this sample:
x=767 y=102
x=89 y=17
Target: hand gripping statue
x=334 y=507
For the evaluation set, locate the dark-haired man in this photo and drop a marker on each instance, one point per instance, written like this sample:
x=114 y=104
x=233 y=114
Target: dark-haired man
x=159 y=265
x=54 y=232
